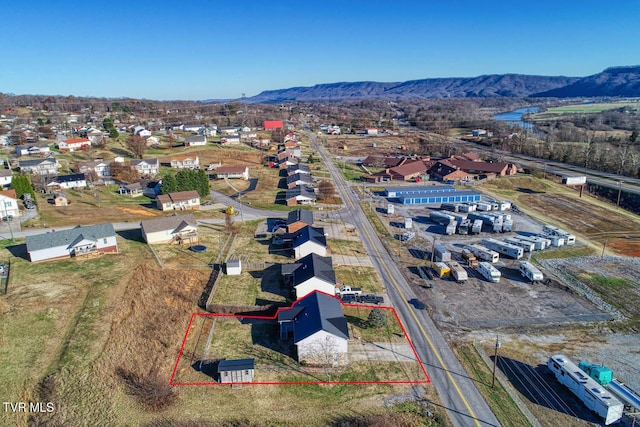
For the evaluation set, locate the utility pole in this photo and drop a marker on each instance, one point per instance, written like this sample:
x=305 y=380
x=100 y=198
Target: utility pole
x=619 y=194
x=495 y=361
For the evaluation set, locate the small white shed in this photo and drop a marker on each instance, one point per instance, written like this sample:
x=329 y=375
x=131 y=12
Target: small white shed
x=234 y=267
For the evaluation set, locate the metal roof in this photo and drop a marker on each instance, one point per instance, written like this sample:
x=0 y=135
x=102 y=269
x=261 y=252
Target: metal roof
x=314 y=265
x=235 y=365
x=309 y=234
x=173 y=223
x=66 y=238
x=320 y=312
x=300 y=215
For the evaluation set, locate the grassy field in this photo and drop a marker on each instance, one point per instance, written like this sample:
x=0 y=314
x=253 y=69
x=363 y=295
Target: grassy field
x=360 y=277
x=584 y=109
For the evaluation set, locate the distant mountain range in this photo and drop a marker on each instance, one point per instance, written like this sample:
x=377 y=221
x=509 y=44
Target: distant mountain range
x=615 y=81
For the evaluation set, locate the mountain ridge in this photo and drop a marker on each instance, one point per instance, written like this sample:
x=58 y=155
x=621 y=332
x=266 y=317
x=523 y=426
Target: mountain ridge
x=613 y=81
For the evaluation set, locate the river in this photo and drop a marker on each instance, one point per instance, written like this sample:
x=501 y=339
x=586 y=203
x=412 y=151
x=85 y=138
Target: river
x=515 y=117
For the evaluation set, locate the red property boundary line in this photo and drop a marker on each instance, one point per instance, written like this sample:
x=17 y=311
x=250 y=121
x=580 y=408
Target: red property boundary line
x=427 y=380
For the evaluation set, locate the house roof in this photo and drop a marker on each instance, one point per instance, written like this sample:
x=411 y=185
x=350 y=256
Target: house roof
x=231 y=169
x=9 y=193
x=300 y=191
x=69 y=237
x=300 y=215
x=36 y=162
x=235 y=365
x=304 y=177
x=76 y=140
x=197 y=138
x=411 y=168
x=152 y=162
x=473 y=166
x=68 y=178
x=174 y=223
x=314 y=265
x=298 y=167
x=92 y=163
x=183 y=158
x=319 y=312
x=6 y=172
x=309 y=234
x=233 y=263
x=179 y=196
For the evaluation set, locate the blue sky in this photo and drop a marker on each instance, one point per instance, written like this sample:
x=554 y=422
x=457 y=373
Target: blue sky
x=222 y=49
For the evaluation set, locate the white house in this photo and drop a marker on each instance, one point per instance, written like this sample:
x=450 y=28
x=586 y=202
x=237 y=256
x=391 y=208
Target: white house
x=309 y=240
x=228 y=130
x=9 y=204
x=44 y=166
x=314 y=273
x=170 y=229
x=185 y=162
x=77 y=180
x=230 y=140
x=98 y=167
x=78 y=241
x=181 y=200
x=192 y=128
x=235 y=172
x=319 y=328
x=74 y=144
x=146 y=167
x=5 y=178
x=195 y=141
x=32 y=149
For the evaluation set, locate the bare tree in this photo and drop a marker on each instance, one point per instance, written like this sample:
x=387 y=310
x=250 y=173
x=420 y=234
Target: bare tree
x=325 y=352
x=137 y=145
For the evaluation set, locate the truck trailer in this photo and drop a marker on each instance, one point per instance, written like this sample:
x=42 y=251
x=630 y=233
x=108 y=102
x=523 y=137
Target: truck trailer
x=539 y=243
x=441 y=218
x=525 y=245
x=469 y=258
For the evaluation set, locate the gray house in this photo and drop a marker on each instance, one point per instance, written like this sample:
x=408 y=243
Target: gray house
x=78 y=241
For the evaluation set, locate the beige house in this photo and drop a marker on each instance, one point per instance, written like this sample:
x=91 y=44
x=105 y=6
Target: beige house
x=185 y=162
x=172 y=229
x=179 y=201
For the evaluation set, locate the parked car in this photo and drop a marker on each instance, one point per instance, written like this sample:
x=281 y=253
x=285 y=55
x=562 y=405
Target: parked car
x=371 y=299
x=7 y=218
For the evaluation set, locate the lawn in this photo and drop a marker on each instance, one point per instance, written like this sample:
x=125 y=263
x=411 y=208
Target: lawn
x=360 y=277
x=584 y=109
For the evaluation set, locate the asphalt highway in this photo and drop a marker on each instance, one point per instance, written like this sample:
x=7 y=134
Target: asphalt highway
x=459 y=395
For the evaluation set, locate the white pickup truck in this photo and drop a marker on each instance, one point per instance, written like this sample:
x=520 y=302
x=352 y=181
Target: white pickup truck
x=347 y=290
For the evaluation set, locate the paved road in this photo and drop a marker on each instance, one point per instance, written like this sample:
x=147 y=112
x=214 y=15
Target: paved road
x=458 y=393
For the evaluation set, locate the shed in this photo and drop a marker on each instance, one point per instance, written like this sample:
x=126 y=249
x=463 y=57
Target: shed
x=236 y=371
x=234 y=267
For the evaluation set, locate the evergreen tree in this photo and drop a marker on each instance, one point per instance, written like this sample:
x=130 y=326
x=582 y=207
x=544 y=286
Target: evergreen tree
x=169 y=184
x=377 y=319
x=22 y=184
x=203 y=183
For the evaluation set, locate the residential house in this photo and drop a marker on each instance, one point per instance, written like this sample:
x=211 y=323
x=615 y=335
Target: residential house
x=152 y=141
x=211 y=130
x=60 y=199
x=77 y=180
x=133 y=189
x=228 y=130
x=195 y=141
x=319 y=328
x=146 y=167
x=298 y=219
x=236 y=172
x=78 y=241
x=299 y=179
x=74 y=144
x=248 y=134
x=290 y=161
x=171 y=229
x=181 y=200
x=290 y=144
x=230 y=140
x=6 y=175
x=298 y=168
x=185 y=162
x=151 y=188
x=141 y=131
x=193 y=128
x=9 y=204
x=98 y=168
x=309 y=240
x=46 y=166
x=310 y=273
x=408 y=171
x=33 y=150
x=300 y=195
x=236 y=371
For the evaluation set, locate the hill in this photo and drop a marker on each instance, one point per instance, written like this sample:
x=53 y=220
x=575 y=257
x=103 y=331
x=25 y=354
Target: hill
x=614 y=81
x=509 y=85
